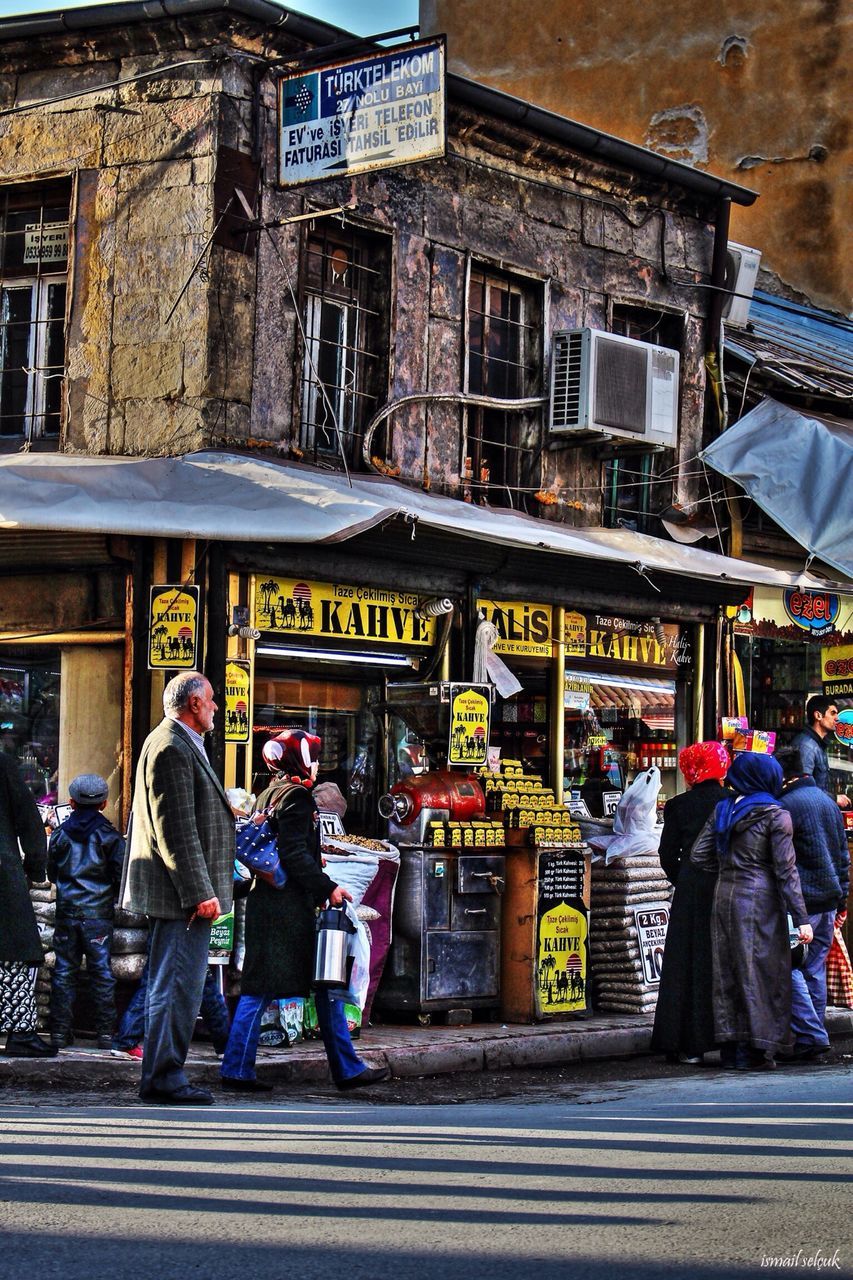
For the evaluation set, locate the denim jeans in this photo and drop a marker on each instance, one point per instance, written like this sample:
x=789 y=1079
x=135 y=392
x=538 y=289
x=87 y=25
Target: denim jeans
x=242 y=1049
x=72 y=940
x=808 y=985
x=214 y=1014
x=178 y=964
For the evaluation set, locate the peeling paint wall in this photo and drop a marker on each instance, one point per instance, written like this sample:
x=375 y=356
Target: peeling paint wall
x=175 y=343
x=144 y=375
x=759 y=93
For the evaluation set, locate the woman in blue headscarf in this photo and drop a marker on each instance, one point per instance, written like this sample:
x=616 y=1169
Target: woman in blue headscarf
x=747 y=843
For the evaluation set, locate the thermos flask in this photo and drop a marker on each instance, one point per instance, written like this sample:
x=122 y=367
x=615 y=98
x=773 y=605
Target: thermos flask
x=334 y=929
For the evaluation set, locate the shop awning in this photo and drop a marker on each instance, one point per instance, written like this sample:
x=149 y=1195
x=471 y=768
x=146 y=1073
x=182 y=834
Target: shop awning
x=234 y=498
x=798 y=467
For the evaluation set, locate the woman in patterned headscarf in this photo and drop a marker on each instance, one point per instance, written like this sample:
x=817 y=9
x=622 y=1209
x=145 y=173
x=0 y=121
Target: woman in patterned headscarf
x=747 y=846
x=684 y=1019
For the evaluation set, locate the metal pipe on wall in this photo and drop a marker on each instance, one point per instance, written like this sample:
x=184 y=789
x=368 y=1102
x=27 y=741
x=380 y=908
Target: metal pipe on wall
x=558 y=728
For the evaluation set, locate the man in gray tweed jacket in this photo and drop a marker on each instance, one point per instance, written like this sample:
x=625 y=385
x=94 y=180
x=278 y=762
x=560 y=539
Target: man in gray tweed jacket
x=179 y=873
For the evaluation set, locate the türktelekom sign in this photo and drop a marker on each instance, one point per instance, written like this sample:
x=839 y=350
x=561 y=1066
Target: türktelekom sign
x=366 y=113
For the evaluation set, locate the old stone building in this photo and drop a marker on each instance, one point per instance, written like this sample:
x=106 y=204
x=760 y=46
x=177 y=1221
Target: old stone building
x=165 y=293
x=757 y=92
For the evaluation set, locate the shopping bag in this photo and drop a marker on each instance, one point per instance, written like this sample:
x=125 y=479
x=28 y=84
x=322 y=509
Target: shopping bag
x=839 y=974
x=257 y=849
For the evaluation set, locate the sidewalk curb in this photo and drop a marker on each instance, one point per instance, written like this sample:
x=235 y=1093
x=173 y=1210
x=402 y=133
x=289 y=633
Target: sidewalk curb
x=442 y=1051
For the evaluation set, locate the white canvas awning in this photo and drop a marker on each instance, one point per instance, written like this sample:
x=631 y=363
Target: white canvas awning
x=798 y=467
x=234 y=498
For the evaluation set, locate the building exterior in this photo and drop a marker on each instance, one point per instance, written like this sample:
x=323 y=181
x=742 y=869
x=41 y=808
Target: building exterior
x=317 y=411
x=758 y=93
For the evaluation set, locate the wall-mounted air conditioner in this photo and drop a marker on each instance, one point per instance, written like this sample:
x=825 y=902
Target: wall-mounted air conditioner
x=741 y=275
x=604 y=384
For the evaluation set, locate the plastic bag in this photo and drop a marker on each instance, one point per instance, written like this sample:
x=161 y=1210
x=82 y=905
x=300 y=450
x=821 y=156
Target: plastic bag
x=634 y=827
x=359 y=948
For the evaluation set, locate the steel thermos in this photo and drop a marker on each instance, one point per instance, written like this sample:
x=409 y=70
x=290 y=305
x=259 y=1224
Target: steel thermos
x=334 y=929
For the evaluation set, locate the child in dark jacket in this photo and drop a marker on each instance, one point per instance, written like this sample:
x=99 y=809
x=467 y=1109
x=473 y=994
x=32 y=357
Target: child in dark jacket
x=84 y=861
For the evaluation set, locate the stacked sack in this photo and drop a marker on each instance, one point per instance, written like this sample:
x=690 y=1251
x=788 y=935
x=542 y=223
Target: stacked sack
x=130 y=942
x=618 y=889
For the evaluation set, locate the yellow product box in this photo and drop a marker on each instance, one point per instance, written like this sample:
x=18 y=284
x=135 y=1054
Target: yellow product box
x=455 y=836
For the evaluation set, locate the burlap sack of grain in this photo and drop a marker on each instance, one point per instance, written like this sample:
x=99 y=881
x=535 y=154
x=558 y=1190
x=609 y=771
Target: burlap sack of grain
x=129 y=941
x=128 y=968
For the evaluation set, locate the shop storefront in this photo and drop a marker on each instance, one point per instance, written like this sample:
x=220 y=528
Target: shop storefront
x=789 y=646
x=602 y=697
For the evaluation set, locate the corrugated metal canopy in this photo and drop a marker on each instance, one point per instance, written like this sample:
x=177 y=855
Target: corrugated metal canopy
x=234 y=498
x=798 y=468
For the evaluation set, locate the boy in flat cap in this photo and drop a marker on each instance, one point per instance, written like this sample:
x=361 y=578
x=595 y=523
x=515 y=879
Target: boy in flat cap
x=84 y=861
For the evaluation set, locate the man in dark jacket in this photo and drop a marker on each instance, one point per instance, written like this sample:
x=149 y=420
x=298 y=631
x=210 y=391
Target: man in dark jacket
x=84 y=861
x=20 y=945
x=179 y=873
x=823 y=863
x=812 y=742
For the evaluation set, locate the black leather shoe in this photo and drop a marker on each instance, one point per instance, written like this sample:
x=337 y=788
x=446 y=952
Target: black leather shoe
x=186 y=1095
x=245 y=1086
x=370 y=1075
x=26 y=1044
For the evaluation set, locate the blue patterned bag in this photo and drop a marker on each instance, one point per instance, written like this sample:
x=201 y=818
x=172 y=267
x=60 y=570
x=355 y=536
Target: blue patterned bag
x=257 y=849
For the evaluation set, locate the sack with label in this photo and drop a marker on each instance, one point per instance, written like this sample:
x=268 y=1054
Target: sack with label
x=257 y=849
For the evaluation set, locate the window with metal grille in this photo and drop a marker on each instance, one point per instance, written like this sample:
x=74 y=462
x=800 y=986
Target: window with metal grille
x=637 y=485
x=345 y=290
x=500 y=447
x=33 y=285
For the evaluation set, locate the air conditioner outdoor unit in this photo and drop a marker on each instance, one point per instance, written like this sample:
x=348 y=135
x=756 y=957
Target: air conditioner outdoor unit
x=741 y=275
x=604 y=384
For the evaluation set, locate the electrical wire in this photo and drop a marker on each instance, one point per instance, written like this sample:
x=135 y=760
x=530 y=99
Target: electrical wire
x=112 y=84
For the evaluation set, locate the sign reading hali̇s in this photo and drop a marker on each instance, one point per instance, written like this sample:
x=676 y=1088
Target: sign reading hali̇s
x=366 y=113
x=172 y=628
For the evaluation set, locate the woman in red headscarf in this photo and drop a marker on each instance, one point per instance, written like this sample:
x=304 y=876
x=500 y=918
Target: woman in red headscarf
x=280 y=924
x=684 y=1019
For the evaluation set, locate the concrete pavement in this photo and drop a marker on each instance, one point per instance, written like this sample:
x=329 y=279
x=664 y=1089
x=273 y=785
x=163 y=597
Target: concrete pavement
x=408 y=1051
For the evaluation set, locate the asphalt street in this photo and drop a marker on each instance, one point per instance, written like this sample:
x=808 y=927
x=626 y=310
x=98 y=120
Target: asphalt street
x=703 y=1175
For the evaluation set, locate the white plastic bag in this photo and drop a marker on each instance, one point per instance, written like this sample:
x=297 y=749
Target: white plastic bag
x=634 y=828
x=358 y=946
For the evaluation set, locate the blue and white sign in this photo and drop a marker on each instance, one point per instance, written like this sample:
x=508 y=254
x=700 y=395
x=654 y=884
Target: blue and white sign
x=368 y=113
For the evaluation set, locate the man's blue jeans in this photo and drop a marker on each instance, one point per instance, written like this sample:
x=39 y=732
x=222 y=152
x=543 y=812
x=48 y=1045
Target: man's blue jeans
x=808 y=986
x=177 y=964
x=242 y=1049
x=72 y=940
x=214 y=1013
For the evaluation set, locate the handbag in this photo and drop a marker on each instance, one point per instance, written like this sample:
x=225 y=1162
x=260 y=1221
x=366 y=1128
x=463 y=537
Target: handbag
x=257 y=849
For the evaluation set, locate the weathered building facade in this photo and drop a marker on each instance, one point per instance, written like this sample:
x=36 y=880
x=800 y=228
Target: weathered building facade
x=758 y=93
x=172 y=297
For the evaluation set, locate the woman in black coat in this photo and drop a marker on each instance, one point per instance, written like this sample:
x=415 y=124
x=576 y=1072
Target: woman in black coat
x=20 y=945
x=280 y=925
x=684 y=1018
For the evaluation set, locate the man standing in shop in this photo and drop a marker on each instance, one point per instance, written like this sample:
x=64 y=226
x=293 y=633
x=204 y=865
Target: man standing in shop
x=178 y=873
x=813 y=740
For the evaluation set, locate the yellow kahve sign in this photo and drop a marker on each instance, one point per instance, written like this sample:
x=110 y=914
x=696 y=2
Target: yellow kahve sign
x=562 y=960
x=522 y=628
x=238 y=702
x=173 y=628
x=469 y=725
x=335 y=611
